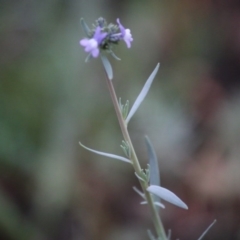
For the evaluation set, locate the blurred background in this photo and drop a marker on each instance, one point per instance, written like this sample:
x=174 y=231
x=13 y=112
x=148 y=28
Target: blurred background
x=50 y=188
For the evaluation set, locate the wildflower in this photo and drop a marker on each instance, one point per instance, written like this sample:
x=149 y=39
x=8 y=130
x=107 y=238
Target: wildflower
x=91 y=45
x=126 y=34
x=104 y=37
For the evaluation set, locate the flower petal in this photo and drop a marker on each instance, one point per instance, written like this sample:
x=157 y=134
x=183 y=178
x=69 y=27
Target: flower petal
x=91 y=46
x=98 y=35
x=122 y=29
x=126 y=34
x=84 y=42
x=128 y=37
x=95 y=52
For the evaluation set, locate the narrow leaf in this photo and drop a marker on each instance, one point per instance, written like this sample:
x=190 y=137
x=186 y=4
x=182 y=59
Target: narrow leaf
x=205 y=232
x=142 y=94
x=153 y=162
x=169 y=234
x=114 y=56
x=125 y=109
x=155 y=203
x=107 y=66
x=126 y=149
x=140 y=178
x=85 y=27
x=167 y=195
x=150 y=235
x=88 y=58
x=139 y=192
x=159 y=204
x=120 y=103
x=106 y=154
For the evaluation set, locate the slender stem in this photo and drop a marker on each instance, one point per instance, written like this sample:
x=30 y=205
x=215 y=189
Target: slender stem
x=136 y=165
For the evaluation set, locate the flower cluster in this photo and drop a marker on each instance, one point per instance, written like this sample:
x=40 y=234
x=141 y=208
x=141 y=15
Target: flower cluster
x=103 y=37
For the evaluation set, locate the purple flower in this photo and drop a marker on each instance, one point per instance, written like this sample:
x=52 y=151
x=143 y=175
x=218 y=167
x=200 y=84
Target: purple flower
x=126 y=34
x=91 y=45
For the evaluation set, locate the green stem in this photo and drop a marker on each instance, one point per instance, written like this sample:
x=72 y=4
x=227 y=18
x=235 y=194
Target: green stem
x=136 y=165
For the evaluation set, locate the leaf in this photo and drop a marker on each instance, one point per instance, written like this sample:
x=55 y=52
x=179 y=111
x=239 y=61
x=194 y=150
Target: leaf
x=150 y=235
x=88 y=58
x=106 y=154
x=85 y=27
x=126 y=149
x=142 y=94
x=125 y=109
x=167 y=195
x=140 y=178
x=155 y=203
x=205 y=232
x=139 y=192
x=107 y=66
x=159 y=204
x=114 y=56
x=169 y=234
x=153 y=162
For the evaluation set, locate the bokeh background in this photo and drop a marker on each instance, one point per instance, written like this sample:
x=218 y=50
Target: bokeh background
x=50 y=188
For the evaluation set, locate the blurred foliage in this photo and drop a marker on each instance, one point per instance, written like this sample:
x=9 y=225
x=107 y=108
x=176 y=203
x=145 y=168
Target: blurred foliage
x=50 y=99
